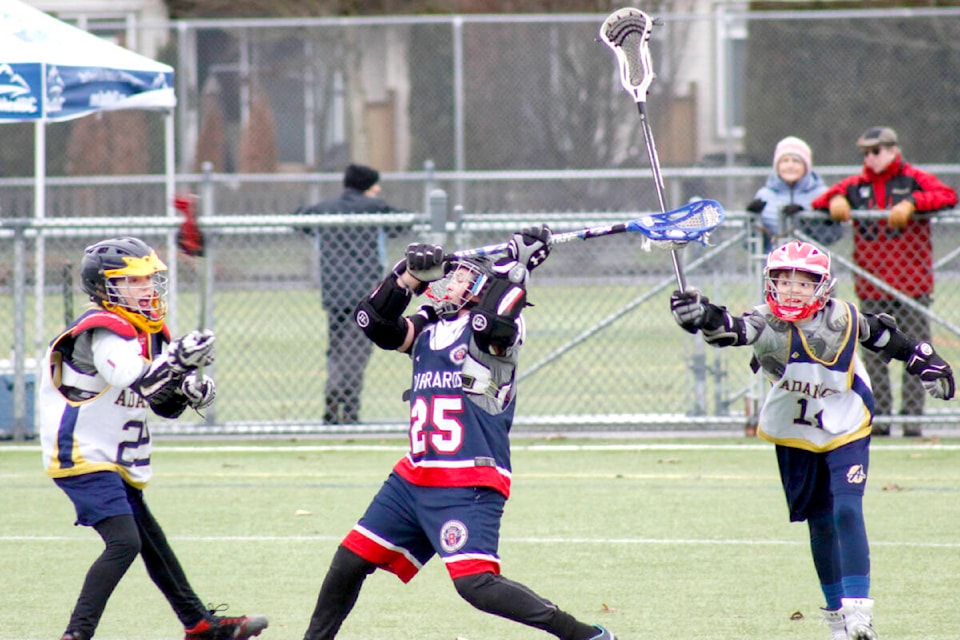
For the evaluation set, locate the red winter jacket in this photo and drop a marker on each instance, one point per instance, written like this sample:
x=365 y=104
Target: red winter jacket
x=903 y=258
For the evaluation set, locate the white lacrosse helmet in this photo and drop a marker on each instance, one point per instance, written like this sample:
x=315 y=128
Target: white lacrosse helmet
x=474 y=272
x=782 y=263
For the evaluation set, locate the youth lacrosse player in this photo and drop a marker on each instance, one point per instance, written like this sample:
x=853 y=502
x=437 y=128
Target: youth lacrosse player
x=101 y=378
x=819 y=408
x=446 y=496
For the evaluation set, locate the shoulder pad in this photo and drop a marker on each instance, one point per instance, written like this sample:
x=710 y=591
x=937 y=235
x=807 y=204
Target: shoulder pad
x=103 y=320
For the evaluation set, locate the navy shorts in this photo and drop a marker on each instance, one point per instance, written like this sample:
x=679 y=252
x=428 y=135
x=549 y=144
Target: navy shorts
x=406 y=525
x=98 y=496
x=810 y=480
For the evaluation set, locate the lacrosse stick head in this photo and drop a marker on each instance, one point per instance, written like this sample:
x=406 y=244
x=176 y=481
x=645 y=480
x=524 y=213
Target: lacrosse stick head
x=675 y=229
x=465 y=278
x=627 y=32
x=792 y=297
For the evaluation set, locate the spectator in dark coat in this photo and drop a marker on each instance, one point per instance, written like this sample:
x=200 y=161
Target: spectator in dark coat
x=352 y=261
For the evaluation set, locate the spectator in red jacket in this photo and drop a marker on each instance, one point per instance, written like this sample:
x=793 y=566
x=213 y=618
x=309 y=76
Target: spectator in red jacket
x=897 y=250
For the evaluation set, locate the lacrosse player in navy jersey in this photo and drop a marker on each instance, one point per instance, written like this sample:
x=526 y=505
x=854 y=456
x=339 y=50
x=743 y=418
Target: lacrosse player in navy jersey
x=446 y=496
x=819 y=409
x=101 y=377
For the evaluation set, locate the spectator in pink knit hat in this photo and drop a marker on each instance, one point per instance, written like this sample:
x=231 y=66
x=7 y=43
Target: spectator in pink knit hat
x=788 y=190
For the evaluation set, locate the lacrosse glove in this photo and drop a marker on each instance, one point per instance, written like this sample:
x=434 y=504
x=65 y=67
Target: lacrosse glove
x=192 y=351
x=199 y=393
x=689 y=308
x=756 y=205
x=792 y=209
x=935 y=374
x=425 y=261
x=526 y=251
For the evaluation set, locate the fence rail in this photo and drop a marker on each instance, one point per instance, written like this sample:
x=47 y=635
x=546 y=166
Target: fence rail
x=603 y=352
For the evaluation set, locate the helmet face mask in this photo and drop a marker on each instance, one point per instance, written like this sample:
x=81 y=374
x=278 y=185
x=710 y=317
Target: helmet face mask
x=124 y=275
x=460 y=287
x=792 y=297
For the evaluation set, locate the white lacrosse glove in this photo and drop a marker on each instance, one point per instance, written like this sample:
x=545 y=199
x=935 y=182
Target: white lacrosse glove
x=425 y=261
x=689 y=308
x=935 y=374
x=192 y=351
x=200 y=393
x=526 y=251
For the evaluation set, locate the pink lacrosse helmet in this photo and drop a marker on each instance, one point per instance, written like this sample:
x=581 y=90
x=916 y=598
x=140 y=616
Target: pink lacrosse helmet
x=791 y=257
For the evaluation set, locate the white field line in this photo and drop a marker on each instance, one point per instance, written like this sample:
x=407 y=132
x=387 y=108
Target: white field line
x=720 y=542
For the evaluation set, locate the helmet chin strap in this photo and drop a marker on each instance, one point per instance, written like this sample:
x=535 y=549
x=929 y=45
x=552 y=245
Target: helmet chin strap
x=136 y=318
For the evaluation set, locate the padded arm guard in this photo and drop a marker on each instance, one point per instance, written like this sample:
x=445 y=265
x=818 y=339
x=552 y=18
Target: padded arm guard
x=886 y=339
x=494 y=319
x=160 y=387
x=379 y=315
x=721 y=329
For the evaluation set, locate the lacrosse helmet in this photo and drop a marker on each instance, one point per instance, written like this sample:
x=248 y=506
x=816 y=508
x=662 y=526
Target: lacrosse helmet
x=470 y=276
x=791 y=257
x=104 y=271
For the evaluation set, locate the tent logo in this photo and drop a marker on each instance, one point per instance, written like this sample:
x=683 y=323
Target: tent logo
x=55 y=85
x=16 y=96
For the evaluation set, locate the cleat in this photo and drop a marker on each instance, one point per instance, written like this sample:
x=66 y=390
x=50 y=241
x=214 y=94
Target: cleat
x=834 y=619
x=227 y=628
x=858 y=617
x=603 y=634
x=74 y=635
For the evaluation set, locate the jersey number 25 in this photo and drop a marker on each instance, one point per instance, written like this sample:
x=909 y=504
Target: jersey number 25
x=434 y=424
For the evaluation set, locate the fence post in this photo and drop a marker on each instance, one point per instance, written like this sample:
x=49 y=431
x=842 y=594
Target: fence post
x=438 y=216
x=205 y=287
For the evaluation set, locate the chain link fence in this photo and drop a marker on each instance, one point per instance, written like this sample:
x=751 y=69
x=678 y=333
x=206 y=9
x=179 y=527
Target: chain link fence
x=516 y=119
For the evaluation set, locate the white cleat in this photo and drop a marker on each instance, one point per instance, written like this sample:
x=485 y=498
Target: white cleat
x=834 y=619
x=858 y=617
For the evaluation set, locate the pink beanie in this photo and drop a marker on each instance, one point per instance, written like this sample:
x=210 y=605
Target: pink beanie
x=793 y=146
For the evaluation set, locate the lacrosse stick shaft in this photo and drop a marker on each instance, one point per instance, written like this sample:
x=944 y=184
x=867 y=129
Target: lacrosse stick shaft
x=658 y=182
x=67 y=284
x=667 y=229
x=555 y=239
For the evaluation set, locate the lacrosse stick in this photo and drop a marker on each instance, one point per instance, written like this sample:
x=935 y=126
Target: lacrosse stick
x=66 y=280
x=668 y=230
x=627 y=32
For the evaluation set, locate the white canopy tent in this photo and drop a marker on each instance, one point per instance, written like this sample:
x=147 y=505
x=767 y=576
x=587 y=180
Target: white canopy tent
x=51 y=71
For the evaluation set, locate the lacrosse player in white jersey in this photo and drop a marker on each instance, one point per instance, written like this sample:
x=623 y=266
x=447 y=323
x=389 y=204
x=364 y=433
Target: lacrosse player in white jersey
x=101 y=376
x=819 y=409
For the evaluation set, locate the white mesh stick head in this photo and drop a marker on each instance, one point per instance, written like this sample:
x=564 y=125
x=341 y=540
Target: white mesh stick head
x=627 y=32
x=674 y=229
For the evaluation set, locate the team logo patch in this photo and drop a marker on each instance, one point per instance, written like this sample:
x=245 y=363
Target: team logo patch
x=458 y=355
x=453 y=535
x=479 y=322
x=856 y=474
x=363 y=319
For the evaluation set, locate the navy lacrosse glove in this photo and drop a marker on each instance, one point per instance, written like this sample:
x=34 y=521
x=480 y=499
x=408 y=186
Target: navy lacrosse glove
x=792 y=209
x=756 y=205
x=935 y=374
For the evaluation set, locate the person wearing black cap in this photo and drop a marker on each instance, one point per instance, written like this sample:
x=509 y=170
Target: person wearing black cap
x=352 y=260
x=898 y=250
